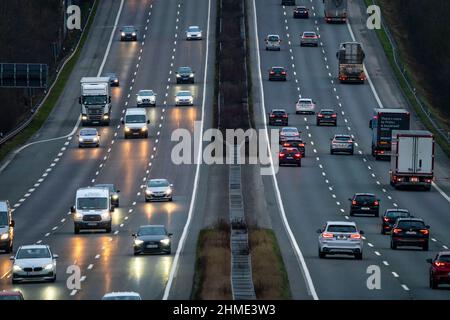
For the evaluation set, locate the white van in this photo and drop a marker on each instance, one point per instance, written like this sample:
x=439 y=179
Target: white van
x=92 y=209
x=135 y=123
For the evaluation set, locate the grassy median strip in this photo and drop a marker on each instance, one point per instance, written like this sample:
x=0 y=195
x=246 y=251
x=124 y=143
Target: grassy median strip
x=213 y=264
x=269 y=274
x=52 y=98
x=385 y=43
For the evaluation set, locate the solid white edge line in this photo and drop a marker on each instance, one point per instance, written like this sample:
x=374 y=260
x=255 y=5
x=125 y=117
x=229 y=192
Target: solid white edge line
x=298 y=252
x=182 y=241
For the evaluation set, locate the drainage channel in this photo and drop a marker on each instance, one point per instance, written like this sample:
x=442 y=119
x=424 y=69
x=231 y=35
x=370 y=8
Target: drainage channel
x=241 y=267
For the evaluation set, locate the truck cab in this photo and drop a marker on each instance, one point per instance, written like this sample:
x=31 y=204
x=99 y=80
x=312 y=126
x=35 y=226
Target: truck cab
x=95 y=100
x=135 y=123
x=92 y=209
x=6 y=227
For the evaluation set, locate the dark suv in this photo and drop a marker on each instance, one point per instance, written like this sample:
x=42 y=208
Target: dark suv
x=185 y=75
x=390 y=217
x=278 y=117
x=328 y=116
x=365 y=203
x=301 y=12
x=410 y=232
x=277 y=73
x=295 y=142
x=440 y=269
x=290 y=156
x=288 y=2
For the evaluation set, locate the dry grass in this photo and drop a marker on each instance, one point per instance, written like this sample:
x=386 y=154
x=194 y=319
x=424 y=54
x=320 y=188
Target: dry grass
x=269 y=275
x=213 y=266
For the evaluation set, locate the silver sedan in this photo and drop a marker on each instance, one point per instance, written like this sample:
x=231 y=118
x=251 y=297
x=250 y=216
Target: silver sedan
x=158 y=189
x=340 y=237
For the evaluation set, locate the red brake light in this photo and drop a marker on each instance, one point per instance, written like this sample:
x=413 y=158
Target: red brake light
x=386 y=219
x=285 y=115
x=298 y=155
x=439 y=264
x=272 y=116
x=376 y=203
x=272 y=72
x=283 y=72
x=333 y=116
x=424 y=231
x=355 y=236
x=286 y=145
x=327 y=235
x=301 y=144
x=320 y=115
x=397 y=230
x=353 y=202
x=282 y=155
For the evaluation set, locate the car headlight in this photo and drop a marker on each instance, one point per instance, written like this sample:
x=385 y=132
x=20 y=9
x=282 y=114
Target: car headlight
x=83 y=117
x=17 y=268
x=80 y=139
x=115 y=197
x=139 y=99
x=116 y=80
x=78 y=215
x=127 y=129
x=105 y=215
x=191 y=75
x=138 y=242
x=148 y=192
x=105 y=116
x=191 y=99
x=169 y=191
x=165 y=241
x=133 y=34
x=177 y=99
x=123 y=34
x=144 y=128
x=95 y=139
x=48 y=266
x=4 y=236
x=178 y=76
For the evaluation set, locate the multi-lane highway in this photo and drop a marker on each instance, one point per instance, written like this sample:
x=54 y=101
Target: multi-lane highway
x=42 y=179
x=319 y=190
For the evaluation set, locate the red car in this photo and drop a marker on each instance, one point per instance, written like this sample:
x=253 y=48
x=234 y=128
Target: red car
x=440 y=269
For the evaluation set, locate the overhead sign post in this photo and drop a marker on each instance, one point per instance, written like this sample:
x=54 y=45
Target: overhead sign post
x=23 y=75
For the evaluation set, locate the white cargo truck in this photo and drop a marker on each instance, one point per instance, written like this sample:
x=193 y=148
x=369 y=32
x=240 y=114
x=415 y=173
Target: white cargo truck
x=95 y=100
x=412 y=159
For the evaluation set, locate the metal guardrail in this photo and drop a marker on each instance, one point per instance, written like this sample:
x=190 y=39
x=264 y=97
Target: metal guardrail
x=401 y=68
x=35 y=111
x=241 y=267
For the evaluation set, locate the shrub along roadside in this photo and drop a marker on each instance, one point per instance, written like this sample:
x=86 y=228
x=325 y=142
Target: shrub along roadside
x=52 y=98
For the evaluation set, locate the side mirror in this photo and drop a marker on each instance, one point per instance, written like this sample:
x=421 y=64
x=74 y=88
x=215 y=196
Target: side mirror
x=79 y=100
x=109 y=100
x=55 y=256
x=429 y=260
x=12 y=224
x=361 y=232
x=72 y=209
x=349 y=199
x=117 y=191
x=170 y=234
x=133 y=234
x=319 y=230
x=12 y=258
x=370 y=123
x=148 y=121
x=123 y=122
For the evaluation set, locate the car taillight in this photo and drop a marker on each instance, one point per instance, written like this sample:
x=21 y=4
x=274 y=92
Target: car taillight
x=298 y=155
x=386 y=219
x=333 y=116
x=397 y=230
x=272 y=116
x=376 y=203
x=283 y=72
x=439 y=264
x=327 y=235
x=355 y=236
x=282 y=155
x=320 y=115
x=285 y=116
x=424 y=231
x=301 y=144
x=354 y=202
x=271 y=72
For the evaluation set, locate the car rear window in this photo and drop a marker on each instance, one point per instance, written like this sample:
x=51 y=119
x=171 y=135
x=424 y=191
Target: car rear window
x=273 y=38
x=397 y=214
x=278 y=69
x=444 y=258
x=88 y=132
x=279 y=113
x=365 y=198
x=341 y=228
x=411 y=224
x=309 y=34
x=342 y=138
x=327 y=111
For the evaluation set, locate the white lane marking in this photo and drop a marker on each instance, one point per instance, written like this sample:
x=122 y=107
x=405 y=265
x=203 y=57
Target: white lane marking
x=446 y=197
x=370 y=245
x=377 y=253
x=385 y=263
x=97 y=256
x=395 y=274
x=405 y=287
x=294 y=244
x=73 y=292
x=445 y=247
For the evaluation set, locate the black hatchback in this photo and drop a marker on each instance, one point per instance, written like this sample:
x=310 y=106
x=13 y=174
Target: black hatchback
x=390 y=217
x=301 y=12
x=152 y=239
x=364 y=203
x=278 y=117
x=290 y=156
x=185 y=75
x=277 y=73
x=128 y=33
x=410 y=232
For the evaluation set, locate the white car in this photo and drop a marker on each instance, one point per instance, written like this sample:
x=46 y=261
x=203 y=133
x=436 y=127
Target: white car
x=194 y=33
x=184 y=98
x=158 y=189
x=146 y=98
x=34 y=263
x=273 y=42
x=287 y=133
x=122 y=296
x=340 y=237
x=305 y=105
x=88 y=137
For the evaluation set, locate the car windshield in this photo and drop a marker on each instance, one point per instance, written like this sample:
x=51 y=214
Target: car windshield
x=110 y=75
x=90 y=132
x=109 y=186
x=33 y=253
x=184 y=70
x=341 y=228
x=342 y=138
x=305 y=101
x=146 y=93
x=10 y=297
x=290 y=150
x=277 y=69
x=135 y=118
x=444 y=258
x=152 y=231
x=92 y=203
x=194 y=29
x=411 y=224
x=365 y=198
x=397 y=214
x=122 y=298
x=273 y=38
x=290 y=130
x=129 y=29
x=91 y=100
x=183 y=94
x=158 y=183
x=3 y=218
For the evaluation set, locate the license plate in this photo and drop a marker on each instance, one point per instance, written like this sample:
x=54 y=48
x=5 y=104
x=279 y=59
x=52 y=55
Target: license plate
x=365 y=208
x=278 y=120
x=152 y=246
x=411 y=232
x=289 y=158
x=92 y=223
x=327 y=117
x=342 y=237
x=414 y=179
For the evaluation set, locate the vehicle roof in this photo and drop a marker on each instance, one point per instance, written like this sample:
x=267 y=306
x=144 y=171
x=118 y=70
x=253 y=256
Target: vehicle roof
x=309 y=32
x=304 y=99
x=275 y=67
x=193 y=27
x=92 y=192
x=159 y=179
x=273 y=35
x=128 y=27
x=327 y=110
x=145 y=90
x=411 y=219
x=10 y=293
x=132 y=111
x=184 y=67
x=3 y=205
x=183 y=92
x=364 y=194
x=342 y=223
x=88 y=129
x=278 y=110
x=93 y=80
x=442 y=253
x=395 y=209
x=34 y=246
x=342 y=135
x=122 y=294
x=153 y=226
